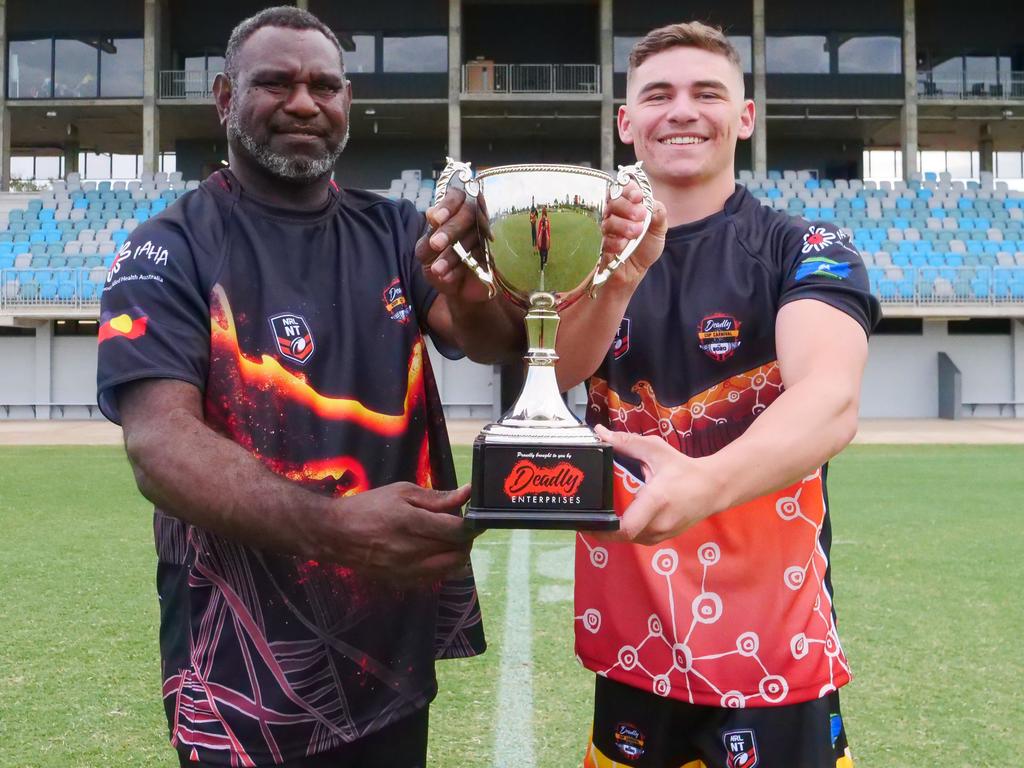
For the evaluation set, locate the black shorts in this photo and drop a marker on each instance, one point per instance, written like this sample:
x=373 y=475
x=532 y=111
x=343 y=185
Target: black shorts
x=639 y=729
x=402 y=744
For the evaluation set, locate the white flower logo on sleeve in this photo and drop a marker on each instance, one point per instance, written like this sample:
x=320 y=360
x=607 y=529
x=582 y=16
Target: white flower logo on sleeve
x=817 y=239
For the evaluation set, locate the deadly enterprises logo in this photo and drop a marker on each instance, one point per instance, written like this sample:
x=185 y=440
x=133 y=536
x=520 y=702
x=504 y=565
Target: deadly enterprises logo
x=740 y=749
x=395 y=303
x=526 y=478
x=294 y=340
x=629 y=740
x=719 y=336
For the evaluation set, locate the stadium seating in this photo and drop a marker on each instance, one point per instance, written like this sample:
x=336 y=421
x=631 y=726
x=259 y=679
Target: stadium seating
x=927 y=241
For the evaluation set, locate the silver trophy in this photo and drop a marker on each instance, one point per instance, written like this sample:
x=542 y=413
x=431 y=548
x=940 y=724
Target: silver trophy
x=539 y=226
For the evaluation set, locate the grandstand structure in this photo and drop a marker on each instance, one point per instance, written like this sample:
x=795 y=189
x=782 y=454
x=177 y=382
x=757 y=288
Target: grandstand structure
x=106 y=118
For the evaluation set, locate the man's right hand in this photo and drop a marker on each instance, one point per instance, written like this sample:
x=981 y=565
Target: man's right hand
x=400 y=532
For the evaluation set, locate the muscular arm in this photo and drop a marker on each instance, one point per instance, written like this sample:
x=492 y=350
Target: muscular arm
x=822 y=353
x=182 y=466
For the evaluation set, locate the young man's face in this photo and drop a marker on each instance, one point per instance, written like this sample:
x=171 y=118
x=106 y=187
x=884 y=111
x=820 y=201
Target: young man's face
x=683 y=115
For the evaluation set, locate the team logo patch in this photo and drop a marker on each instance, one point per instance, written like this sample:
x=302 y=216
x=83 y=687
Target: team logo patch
x=294 y=341
x=620 y=345
x=719 y=336
x=740 y=749
x=819 y=266
x=817 y=239
x=395 y=303
x=629 y=740
x=125 y=325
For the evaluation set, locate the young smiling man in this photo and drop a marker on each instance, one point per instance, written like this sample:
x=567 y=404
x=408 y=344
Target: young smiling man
x=726 y=373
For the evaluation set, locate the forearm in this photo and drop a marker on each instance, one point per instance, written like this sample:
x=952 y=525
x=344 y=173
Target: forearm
x=488 y=332
x=587 y=329
x=191 y=472
x=805 y=427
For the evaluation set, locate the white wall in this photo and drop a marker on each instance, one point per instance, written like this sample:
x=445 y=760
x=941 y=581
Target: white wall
x=17 y=367
x=901 y=380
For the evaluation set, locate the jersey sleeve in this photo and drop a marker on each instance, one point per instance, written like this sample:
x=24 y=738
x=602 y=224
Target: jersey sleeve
x=421 y=292
x=154 y=314
x=819 y=261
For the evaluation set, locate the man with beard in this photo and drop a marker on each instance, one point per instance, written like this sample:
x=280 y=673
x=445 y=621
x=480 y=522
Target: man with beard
x=262 y=345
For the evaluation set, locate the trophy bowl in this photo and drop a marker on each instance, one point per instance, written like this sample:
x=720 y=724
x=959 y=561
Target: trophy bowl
x=539 y=227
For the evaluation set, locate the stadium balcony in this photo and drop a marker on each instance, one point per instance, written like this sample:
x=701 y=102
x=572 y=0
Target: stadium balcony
x=1009 y=86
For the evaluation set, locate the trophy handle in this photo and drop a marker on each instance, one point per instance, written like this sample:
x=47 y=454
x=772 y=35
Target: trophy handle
x=464 y=172
x=625 y=174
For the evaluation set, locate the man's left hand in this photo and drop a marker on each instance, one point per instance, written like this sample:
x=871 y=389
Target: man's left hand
x=455 y=218
x=679 y=491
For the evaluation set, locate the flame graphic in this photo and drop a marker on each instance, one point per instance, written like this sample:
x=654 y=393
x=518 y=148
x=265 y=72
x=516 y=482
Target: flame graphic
x=267 y=374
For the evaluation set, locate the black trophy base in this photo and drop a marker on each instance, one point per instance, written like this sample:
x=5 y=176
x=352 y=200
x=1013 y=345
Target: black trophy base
x=531 y=485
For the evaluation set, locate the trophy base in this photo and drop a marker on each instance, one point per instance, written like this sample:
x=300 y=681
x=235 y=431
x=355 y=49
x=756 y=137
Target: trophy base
x=559 y=484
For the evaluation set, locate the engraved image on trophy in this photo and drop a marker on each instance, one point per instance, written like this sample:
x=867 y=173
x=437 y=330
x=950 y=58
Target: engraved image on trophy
x=538 y=466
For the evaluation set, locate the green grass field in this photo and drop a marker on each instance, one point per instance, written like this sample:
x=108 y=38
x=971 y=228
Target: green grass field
x=926 y=565
x=575 y=247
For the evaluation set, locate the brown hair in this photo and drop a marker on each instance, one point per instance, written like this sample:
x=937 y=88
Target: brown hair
x=693 y=34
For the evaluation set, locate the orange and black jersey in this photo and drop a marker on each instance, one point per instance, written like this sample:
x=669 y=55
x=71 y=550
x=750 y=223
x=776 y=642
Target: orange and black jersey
x=736 y=611
x=304 y=333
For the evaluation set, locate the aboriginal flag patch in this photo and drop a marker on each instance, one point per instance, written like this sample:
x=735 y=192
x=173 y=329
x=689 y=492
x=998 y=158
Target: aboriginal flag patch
x=127 y=325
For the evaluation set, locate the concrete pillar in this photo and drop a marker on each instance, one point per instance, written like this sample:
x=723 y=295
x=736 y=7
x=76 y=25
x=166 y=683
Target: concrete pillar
x=150 y=86
x=1017 y=339
x=303 y=4
x=5 y=116
x=41 y=382
x=908 y=115
x=759 y=65
x=986 y=147
x=71 y=150
x=455 y=79
x=607 y=86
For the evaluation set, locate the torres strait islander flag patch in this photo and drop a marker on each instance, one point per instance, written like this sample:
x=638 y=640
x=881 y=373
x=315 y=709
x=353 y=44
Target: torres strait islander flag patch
x=129 y=325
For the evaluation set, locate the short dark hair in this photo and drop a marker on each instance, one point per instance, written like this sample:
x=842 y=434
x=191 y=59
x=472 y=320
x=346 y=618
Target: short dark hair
x=694 y=34
x=287 y=16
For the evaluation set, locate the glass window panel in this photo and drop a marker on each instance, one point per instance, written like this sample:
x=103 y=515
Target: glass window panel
x=803 y=54
x=123 y=167
x=742 y=45
x=364 y=58
x=195 y=63
x=22 y=167
x=48 y=167
x=959 y=164
x=96 y=166
x=168 y=162
x=871 y=56
x=423 y=53
x=121 y=72
x=215 y=64
x=74 y=69
x=1008 y=165
x=980 y=69
x=933 y=161
x=621 y=46
x=29 y=63
x=949 y=71
x=1005 y=68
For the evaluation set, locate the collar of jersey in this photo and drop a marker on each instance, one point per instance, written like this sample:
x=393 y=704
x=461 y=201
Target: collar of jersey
x=235 y=190
x=732 y=205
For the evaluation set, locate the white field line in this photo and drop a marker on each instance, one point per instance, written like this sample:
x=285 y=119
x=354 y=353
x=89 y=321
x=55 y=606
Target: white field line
x=513 y=742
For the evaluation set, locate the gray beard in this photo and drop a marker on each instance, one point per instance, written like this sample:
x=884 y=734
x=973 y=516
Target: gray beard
x=283 y=166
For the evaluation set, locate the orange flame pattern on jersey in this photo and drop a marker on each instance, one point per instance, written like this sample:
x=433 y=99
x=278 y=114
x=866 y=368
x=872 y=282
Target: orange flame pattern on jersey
x=268 y=374
x=747 y=393
x=337 y=475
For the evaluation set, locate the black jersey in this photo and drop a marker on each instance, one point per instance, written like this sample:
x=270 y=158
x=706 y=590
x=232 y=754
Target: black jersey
x=735 y=611
x=303 y=332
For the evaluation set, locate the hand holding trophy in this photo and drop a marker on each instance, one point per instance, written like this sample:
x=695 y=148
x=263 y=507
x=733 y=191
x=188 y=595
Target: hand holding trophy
x=538 y=466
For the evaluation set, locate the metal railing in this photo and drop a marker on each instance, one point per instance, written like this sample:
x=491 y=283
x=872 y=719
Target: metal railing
x=186 y=84
x=948 y=286
x=66 y=289
x=1009 y=85
x=487 y=77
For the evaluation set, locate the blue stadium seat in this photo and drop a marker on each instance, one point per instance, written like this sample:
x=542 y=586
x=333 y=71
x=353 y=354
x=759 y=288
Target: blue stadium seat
x=66 y=290
x=58 y=262
x=6 y=261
